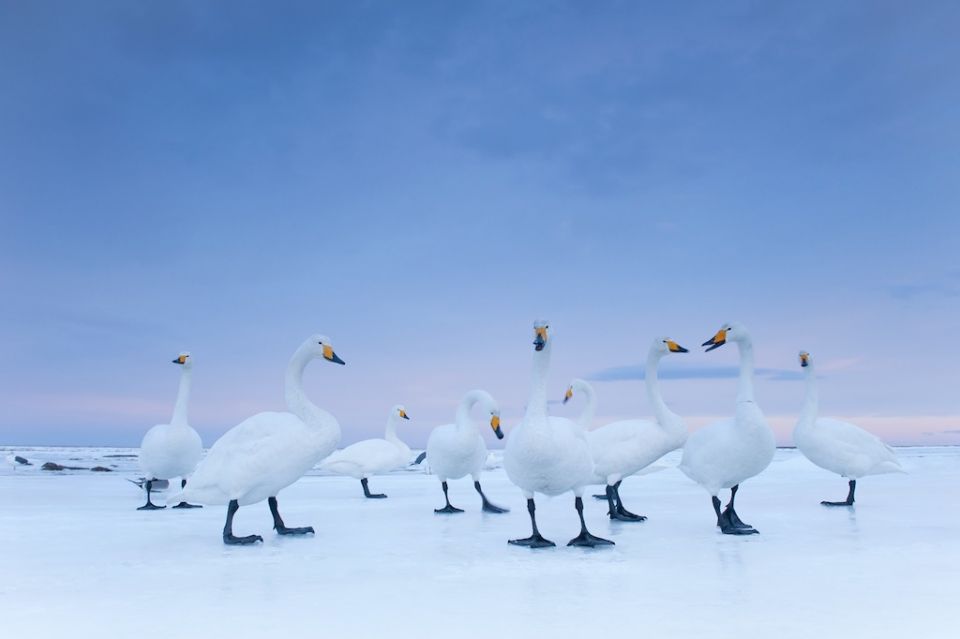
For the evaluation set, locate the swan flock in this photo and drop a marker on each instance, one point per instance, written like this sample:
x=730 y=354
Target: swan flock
x=544 y=454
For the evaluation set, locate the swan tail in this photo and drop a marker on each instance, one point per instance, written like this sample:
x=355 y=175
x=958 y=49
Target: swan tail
x=891 y=466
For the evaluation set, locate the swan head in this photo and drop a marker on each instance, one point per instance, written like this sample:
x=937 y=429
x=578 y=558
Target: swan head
x=541 y=334
x=805 y=359
x=184 y=359
x=399 y=412
x=729 y=332
x=494 y=409
x=320 y=346
x=665 y=345
x=577 y=385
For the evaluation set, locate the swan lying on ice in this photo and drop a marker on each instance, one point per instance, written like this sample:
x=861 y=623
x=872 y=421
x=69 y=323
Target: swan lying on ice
x=457 y=450
x=838 y=446
x=267 y=452
x=548 y=455
x=624 y=448
x=372 y=456
x=174 y=449
x=727 y=453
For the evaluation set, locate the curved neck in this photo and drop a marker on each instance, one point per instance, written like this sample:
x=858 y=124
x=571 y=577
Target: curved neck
x=665 y=417
x=537 y=403
x=745 y=385
x=183 y=397
x=297 y=402
x=590 y=409
x=464 y=423
x=811 y=401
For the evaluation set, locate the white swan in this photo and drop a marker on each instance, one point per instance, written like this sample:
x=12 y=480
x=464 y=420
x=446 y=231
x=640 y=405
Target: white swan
x=372 y=456
x=267 y=452
x=548 y=455
x=728 y=452
x=174 y=449
x=837 y=446
x=457 y=450
x=623 y=448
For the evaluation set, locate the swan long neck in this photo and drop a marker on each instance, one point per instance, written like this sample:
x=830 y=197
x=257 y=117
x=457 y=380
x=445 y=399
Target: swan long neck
x=391 y=432
x=464 y=423
x=183 y=397
x=745 y=385
x=297 y=401
x=811 y=401
x=590 y=408
x=665 y=417
x=537 y=403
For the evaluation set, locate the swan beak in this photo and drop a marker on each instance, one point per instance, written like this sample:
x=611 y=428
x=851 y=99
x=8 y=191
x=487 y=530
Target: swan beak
x=403 y=414
x=716 y=341
x=180 y=360
x=495 y=425
x=675 y=348
x=568 y=395
x=804 y=360
x=541 y=339
x=329 y=355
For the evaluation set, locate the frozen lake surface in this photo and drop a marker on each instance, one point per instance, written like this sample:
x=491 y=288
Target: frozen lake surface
x=78 y=559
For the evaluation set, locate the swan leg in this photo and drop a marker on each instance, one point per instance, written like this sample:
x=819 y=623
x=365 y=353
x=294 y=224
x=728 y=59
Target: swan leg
x=487 y=506
x=449 y=508
x=228 y=537
x=183 y=504
x=728 y=521
x=622 y=513
x=278 y=524
x=585 y=538
x=150 y=505
x=535 y=540
x=849 y=501
x=367 y=493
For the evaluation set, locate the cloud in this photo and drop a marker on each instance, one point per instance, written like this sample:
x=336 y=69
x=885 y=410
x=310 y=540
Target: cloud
x=634 y=372
x=951 y=431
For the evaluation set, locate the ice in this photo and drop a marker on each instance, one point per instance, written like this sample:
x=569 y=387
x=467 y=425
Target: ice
x=78 y=560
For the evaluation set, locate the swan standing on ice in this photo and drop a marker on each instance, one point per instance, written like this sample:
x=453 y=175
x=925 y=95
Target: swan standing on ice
x=174 y=449
x=457 y=450
x=728 y=452
x=372 y=456
x=623 y=448
x=548 y=455
x=837 y=446
x=267 y=452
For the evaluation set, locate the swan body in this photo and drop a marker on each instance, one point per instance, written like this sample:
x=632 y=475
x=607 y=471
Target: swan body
x=728 y=452
x=174 y=449
x=457 y=450
x=372 y=456
x=838 y=446
x=548 y=455
x=267 y=452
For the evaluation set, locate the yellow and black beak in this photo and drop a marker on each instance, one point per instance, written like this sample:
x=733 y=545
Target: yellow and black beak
x=403 y=414
x=541 y=338
x=716 y=341
x=181 y=359
x=675 y=348
x=804 y=359
x=330 y=356
x=495 y=425
x=568 y=394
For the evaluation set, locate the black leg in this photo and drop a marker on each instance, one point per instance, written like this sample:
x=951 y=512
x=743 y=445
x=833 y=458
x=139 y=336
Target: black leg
x=183 y=504
x=585 y=538
x=849 y=500
x=535 y=540
x=150 y=505
x=449 y=508
x=278 y=524
x=622 y=513
x=487 y=506
x=733 y=517
x=728 y=521
x=228 y=537
x=367 y=493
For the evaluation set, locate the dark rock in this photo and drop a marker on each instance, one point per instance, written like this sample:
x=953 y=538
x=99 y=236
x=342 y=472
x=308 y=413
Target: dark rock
x=101 y=469
x=56 y=466
x=119 y=455
x=22 y=461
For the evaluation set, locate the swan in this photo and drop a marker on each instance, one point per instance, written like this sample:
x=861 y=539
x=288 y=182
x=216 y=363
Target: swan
x=548 y=455
x=174 y=449
x=267 y=452
x=837 y=446
x=456 y=450
x=623 y=448
x=372 y=456
x=728 y=452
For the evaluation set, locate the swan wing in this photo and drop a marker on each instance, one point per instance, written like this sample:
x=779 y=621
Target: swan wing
x=367 y=456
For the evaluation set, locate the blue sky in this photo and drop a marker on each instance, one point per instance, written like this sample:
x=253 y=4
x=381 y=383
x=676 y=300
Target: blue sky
x=420 y=181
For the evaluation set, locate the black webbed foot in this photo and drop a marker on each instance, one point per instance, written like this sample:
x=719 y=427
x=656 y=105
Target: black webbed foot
x=151 y=506
x=603 y=497
x=837 y=503
x=729 y=527
x=303 y=530
x=625 y=515
x=533 y=541
x=376 y=496
x=447 y=510
x=184 y=504
x=491 y=508
x=588 y=540
x=233 y=540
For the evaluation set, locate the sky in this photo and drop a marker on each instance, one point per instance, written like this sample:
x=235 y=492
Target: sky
x=421 y=181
